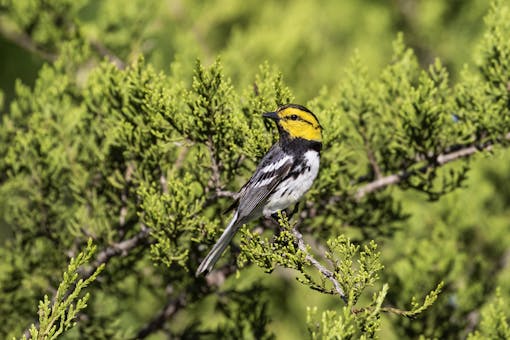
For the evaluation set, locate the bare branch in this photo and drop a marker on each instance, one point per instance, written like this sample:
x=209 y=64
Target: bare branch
x=168 y=311
x=105 y=52
x=373 y=163
x=117 y=249
x=323 y=270
x=24 y=41
x=439 y=160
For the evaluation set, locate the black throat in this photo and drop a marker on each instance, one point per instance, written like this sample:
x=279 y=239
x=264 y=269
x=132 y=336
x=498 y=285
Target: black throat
x=298 y=145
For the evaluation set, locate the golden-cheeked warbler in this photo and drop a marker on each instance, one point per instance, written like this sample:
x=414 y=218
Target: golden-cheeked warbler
x=283 y=176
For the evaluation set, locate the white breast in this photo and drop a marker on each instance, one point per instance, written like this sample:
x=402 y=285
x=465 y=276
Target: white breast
x=292 y=189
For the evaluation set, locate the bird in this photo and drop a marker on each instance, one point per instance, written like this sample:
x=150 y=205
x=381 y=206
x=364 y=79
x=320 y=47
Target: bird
x=282 y=177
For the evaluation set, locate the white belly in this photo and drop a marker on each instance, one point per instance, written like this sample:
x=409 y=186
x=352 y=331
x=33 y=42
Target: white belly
x=292 y=189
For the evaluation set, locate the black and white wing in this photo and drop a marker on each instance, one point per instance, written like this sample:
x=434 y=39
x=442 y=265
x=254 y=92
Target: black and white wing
x=272 y=170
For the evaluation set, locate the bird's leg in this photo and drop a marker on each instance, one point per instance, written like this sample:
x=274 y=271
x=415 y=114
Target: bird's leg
x=291 y=213
x=274 y=216
x=287 y=212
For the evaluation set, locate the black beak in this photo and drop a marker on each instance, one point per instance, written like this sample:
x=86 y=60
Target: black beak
x=271 y=115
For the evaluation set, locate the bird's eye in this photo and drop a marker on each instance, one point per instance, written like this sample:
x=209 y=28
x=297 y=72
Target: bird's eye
x=294 y=117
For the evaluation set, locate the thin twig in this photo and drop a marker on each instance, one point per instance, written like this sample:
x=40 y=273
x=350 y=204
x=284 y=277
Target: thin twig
x=174 y=305
x=124 y=199
x=215 y=167
x=121 y=248
x=164 y=184
x=439 y=160
x=387 y=309
x=181 y=157
x=370 y=154
x=373 y=163
x=168 y=311
x=225 y=193
x=323 y=270
x=105 y=52
x=24 y=41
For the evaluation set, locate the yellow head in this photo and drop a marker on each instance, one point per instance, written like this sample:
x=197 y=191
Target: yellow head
x=296 y=121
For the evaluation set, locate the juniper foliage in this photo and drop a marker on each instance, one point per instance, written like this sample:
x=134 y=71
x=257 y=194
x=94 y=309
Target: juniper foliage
x=108 y=145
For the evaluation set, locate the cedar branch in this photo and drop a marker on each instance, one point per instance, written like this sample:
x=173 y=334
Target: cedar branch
x=438 y=161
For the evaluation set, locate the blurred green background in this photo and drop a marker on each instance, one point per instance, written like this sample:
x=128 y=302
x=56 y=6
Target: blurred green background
x=309 y=41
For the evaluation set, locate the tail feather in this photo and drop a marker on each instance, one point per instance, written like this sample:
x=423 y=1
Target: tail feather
x=217 y=250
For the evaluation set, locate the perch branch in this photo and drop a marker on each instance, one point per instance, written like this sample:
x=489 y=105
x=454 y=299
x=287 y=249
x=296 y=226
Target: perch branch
x=323 y=270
